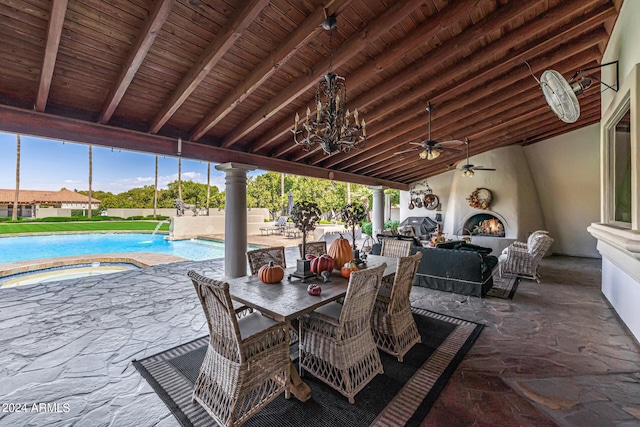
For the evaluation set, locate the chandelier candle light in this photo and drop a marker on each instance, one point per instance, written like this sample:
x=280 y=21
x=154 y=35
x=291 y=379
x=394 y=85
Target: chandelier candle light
x=331 y=129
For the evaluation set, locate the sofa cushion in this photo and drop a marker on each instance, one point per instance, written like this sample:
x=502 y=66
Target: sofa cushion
x=464 y=246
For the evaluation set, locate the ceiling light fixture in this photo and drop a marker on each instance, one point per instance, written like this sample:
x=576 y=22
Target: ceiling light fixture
x=331 y=128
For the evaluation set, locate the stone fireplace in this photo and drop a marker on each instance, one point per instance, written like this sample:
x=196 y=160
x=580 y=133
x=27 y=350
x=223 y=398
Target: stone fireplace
x=484 y=224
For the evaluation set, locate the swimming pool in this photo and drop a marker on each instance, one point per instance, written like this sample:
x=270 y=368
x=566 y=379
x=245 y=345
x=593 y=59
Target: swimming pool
x=35 y=247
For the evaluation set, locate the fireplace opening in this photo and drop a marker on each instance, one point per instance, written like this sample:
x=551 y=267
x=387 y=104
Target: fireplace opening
x=484 y=225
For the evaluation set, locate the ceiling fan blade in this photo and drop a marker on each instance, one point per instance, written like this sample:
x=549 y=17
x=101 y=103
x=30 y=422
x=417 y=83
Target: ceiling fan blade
x=482 y=168
x=450 y=150
x=415 y=143
x=451 y=143
x=405 y=151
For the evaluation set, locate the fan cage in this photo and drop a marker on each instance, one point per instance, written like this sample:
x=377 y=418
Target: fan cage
x=560 y=96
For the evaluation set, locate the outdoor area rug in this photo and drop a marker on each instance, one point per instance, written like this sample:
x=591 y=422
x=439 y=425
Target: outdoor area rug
x=503 y=287
x=401 y=396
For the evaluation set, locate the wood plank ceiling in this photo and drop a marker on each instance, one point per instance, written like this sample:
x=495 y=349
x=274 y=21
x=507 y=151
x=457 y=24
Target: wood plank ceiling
x=228 y=76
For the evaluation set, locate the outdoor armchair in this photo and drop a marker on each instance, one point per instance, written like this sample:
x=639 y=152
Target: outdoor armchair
x=523 y=262
x=247 y=361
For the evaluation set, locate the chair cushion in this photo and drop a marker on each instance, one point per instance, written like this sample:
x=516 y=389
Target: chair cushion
x=331 y=310
x=254 y=323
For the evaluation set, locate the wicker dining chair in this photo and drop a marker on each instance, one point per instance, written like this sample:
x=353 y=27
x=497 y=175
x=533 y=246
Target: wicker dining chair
x=260 y=257
x=247 y=361
x=313 y=248
x=394 y=329
x=336 y=342
x=396 y=248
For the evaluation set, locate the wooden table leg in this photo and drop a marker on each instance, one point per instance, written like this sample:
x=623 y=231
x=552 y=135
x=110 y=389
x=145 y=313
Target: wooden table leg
x=299 y=389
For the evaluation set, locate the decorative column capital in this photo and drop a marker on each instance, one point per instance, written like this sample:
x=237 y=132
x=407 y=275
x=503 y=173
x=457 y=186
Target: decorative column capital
x=378 y=187
x=230 y=167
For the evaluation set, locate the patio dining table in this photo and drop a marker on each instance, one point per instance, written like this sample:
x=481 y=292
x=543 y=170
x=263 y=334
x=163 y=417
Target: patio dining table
x=289 y=300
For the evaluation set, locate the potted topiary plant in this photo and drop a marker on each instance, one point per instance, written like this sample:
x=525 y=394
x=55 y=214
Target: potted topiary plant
x=304 y=216
x=353 y=215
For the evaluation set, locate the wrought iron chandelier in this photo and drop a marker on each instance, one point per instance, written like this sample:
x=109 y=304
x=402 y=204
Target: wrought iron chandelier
x=331 y=128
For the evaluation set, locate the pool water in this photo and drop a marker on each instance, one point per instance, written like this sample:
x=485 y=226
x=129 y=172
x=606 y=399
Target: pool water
x=35 y=247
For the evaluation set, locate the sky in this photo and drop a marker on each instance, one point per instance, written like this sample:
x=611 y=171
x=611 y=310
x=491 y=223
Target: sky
x=47 y=164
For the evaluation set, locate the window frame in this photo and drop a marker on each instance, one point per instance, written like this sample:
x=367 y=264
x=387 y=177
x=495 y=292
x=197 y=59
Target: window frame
x=626 y=99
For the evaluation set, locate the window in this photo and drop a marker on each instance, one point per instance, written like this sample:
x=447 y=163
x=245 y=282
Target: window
x=620 y=171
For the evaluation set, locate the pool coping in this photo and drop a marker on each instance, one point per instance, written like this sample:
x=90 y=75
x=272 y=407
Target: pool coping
x=139 y=259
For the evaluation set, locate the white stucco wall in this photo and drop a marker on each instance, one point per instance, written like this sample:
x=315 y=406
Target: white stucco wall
x=620 y=259
x=441 y=186
x=552 y=185
x=623 y=47
x=566 y=172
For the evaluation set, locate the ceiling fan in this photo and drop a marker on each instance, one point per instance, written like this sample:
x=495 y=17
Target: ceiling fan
x=468 y=169
x=562 y=94
x=431 y=149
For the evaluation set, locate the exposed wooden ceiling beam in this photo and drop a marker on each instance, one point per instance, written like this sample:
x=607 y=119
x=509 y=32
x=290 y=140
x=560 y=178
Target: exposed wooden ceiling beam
x=575 y=28
x=356 y=43
x=309 y=29
x=148 y=33
x=419 y=36
x=499 y=123
x=458 y=89
x=549 y=127
x=216 y=50
x=513 y=83
x=544 y=122
x=444 y=52
x=21 y=121
x=484 y=117
x=54 y=32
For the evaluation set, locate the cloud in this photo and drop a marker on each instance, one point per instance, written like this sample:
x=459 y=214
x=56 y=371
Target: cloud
x=125 y=184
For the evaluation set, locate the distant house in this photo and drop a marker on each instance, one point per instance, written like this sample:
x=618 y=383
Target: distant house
x=29 y=201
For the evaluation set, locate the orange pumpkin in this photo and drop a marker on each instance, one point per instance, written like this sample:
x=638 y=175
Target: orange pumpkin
x=270 y=273
x=322 y=263
x=340 y=251
x=348 y=268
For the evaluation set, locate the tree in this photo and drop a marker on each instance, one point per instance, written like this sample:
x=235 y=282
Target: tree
x=180 y=178
x=90 y=179
x=263 y=191
x=14 y=214
x=155 y=190
x=353 y=215
x=208 y=185
x=395 y=196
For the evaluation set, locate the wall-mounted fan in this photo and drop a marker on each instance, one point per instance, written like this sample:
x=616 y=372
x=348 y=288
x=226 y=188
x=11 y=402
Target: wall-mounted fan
x=431 y=148
x=468 y=169
x=562 y=94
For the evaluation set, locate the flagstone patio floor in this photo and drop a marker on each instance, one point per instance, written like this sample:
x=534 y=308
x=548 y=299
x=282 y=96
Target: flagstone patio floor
x=556 y=354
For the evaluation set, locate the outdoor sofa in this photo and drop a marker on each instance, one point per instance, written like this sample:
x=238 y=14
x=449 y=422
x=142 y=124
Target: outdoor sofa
x=454 y=267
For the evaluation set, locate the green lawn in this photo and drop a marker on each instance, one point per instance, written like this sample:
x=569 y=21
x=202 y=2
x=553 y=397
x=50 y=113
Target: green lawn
x=44 y=227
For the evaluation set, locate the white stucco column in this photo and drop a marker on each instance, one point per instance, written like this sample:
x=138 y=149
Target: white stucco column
x=378 y=209
x=235 y=220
